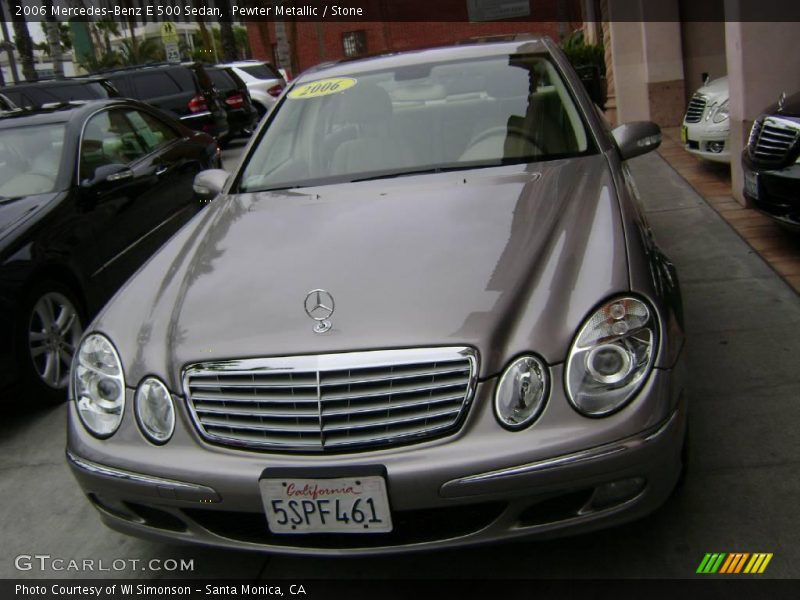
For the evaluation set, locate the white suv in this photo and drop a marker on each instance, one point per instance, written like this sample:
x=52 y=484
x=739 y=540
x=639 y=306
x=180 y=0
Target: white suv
x=706 y=127
x=264 y=82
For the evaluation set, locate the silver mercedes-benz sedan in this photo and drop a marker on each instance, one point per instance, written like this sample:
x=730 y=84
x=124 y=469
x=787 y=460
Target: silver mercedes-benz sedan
x=424 y=312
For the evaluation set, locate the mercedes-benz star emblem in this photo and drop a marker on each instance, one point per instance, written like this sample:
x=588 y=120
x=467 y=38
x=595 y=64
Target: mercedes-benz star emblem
x=781 y=101
x=320 y=306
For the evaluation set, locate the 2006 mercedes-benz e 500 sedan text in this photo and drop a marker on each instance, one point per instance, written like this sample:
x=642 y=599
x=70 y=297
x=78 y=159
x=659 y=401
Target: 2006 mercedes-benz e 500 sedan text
x=424 y=312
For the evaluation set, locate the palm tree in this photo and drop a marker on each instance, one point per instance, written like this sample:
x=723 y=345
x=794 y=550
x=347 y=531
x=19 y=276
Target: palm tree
x=107 y=60
x=227 y=36
x=24 y=43
x=146 y=51
x=107 y=27
x=53 y=34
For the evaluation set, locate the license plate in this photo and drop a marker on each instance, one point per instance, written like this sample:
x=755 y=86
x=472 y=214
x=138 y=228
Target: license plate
x=751 y=184
x=339 y=505
x=684 y=134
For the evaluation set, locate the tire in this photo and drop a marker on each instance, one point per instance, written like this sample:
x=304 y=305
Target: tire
x=49 y=330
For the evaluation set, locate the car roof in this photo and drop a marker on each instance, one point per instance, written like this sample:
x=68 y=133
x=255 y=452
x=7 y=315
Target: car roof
x=59 y=112
x=244 y=63
x=149 y=67
x=463 y=51
x=54 y=82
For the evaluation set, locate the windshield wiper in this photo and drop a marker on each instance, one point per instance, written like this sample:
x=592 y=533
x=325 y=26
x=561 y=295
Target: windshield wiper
x=414 y=172
x=281 y=188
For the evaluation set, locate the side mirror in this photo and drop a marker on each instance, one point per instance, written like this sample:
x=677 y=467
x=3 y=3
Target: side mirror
x=207 y=184
x=107 y=174
x=637 y=138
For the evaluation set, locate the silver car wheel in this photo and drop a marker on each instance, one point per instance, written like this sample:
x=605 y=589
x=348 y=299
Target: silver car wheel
x=54 y=331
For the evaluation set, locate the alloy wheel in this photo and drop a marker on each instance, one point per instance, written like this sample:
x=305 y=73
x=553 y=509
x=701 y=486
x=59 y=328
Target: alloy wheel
x=54 y=331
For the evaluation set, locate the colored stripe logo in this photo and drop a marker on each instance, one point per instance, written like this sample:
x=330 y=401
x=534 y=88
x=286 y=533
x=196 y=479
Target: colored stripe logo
x=734 y=563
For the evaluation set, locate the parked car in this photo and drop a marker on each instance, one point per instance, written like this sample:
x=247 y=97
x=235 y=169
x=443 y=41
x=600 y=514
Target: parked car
x=87 y=192
x=184 y=91
x=242 y=115
x=264 y=82
x=771 y=162
x=425 y=311
x=706 y=126
x=55 y=91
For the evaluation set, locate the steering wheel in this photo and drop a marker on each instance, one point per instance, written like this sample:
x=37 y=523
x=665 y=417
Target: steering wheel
x=504 y=131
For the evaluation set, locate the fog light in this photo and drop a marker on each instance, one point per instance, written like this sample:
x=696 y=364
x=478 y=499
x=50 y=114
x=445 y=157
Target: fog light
x=617 y=492
x=715 y=147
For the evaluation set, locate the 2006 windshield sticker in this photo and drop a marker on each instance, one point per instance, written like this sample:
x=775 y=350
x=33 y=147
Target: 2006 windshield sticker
x=323 y=87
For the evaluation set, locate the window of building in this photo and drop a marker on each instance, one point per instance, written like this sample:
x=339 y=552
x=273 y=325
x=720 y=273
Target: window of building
x=354 y=43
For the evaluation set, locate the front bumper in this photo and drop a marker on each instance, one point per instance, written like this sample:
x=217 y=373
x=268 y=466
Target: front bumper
x=774 y=192
x=707 y=140
x=242 y=120
x=214 y=123
x=468 y=489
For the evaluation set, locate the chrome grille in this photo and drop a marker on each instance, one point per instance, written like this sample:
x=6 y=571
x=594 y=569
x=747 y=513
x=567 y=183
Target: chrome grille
x=332 y=401
x=772 y=139
x=696 y=108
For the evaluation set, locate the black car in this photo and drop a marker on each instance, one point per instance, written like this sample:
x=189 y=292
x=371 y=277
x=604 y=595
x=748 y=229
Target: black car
x=242 y=115
x=54 y=91
x=771 y=162
x=88 y=191
x=183 y=90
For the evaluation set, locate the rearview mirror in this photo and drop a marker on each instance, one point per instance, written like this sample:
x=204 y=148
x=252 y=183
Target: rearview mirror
x=207 y=184
x=637 y=138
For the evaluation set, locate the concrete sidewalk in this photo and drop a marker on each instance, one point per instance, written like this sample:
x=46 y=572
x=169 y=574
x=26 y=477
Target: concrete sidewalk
x=741 y=493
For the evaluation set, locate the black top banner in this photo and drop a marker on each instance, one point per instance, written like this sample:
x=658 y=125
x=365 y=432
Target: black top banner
x=144 y=11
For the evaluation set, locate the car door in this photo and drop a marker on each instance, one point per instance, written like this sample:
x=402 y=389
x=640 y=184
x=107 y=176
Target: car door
x=177 y=161
x=130 y=207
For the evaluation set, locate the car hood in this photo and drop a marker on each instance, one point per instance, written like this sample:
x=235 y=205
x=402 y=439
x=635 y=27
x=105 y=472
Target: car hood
x=16 y=211
x=791 y=107
x=505 y=260
x=716 y=89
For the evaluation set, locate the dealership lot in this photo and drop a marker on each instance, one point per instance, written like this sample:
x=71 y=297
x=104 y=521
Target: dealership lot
x=740 y=495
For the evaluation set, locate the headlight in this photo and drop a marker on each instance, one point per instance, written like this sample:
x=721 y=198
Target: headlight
x=611 y=356
x=720 y=113
x=154 y=410
x=521 y=392
x=98 y=385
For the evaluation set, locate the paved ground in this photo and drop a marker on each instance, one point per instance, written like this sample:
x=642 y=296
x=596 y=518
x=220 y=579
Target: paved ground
x=741 y=493
x=778 y=246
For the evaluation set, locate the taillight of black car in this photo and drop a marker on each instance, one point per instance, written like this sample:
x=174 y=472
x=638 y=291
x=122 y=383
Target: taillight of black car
x=235 y=101
x=198 y=104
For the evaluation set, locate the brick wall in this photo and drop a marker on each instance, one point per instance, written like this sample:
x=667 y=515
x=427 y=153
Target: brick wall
x=384 y=36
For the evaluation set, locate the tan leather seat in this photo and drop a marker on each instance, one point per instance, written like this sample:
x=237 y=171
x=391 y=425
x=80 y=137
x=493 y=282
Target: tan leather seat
x=376 y=149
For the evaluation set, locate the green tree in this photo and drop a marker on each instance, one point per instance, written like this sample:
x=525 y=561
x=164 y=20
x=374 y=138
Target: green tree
x=107 y=60
x=227 y=37
x=53 y=33
x=139 y=53
x=24 y=43
x=106 y=28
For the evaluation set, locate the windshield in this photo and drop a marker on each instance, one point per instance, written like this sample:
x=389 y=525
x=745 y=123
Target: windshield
x=421 y=118
x=29 y=159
